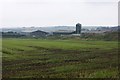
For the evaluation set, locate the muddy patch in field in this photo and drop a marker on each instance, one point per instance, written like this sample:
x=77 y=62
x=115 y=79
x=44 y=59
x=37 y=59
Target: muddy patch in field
x=52 y=50
x=71 y=60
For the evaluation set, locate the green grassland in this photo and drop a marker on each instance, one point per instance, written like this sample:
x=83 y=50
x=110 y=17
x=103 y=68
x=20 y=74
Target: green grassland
x=43 y=58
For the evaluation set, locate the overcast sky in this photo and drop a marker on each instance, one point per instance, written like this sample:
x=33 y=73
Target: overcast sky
x=41 y=13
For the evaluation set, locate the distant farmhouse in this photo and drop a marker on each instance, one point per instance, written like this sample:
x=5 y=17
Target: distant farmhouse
x=68 y=32
x=40 y=33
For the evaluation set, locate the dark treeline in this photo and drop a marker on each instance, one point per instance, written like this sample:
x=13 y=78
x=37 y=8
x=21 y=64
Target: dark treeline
x=88 y=36
x=11 y=35
x=101 y=36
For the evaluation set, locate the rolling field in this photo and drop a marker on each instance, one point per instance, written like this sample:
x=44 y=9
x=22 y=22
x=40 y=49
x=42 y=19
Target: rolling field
x=37 y=58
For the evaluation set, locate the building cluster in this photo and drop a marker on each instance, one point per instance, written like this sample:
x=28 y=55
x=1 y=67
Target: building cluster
x=40 y=33
x=66 y=31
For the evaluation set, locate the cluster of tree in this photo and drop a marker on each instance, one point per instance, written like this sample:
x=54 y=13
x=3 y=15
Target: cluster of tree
x=11 y=35
x=101 y=36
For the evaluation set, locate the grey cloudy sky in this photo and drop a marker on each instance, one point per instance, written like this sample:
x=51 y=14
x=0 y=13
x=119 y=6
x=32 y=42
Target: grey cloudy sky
x=40 y=13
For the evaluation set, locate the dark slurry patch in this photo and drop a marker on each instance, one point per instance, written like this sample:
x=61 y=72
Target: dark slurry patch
x=71 y=60
x=54 y=50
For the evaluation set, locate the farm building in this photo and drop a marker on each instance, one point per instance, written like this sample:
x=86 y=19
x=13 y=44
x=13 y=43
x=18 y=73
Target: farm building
x=38 y=33
x=63 y=32
x=67 y=32
x=78 y=28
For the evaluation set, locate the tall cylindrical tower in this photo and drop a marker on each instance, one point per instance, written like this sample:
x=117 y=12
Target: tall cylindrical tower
x=78 y=28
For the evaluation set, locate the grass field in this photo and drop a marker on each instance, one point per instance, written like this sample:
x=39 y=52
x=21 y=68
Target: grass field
x=40 y=58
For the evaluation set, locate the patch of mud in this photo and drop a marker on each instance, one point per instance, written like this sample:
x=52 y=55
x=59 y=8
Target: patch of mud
x=71 y=60
x=58 y=50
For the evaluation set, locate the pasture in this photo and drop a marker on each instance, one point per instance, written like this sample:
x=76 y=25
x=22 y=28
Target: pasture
x=44 y=58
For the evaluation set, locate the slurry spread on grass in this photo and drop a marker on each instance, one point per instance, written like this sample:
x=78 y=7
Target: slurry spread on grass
x=36 y=58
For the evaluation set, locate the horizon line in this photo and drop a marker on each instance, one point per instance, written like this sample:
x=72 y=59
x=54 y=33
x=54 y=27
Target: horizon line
x=63 y=25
